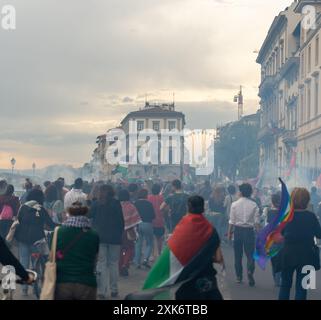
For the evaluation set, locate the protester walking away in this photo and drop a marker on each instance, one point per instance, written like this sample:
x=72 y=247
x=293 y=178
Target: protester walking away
x=217 y=211
x=132 y=219
x=315 y=200
x=53 y=205
x=244 y=219
x=176 y=203
x=32 y=218
x=107 y=220
x=156 y=200
x=28 y=187
x=75 y=194
x=145 y=229
x=133 y=191
x=299 y=249
x=76 y=257
x=271 y=213
x=9 y=206
x=187 y=261
x=229 y=199
x=257 y=199
x=206 y=190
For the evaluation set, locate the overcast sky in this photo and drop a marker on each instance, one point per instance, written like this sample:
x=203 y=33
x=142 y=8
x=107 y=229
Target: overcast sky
x=71 y=71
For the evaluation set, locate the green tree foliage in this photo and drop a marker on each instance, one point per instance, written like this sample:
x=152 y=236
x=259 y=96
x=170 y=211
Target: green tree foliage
x=237 y=150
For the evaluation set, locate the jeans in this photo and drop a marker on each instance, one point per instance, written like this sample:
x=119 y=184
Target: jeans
x=286 y=284
x=145 y=232
x=25 y=251
x=108 y=259
x=244 y=240
x=219 y=223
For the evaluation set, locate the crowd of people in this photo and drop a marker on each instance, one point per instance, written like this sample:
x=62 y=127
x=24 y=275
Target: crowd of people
x=105 y=229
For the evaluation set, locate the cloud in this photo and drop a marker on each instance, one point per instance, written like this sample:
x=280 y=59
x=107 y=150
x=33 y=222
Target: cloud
x=71 y=70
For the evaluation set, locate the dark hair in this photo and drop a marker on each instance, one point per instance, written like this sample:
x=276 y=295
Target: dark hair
x=177 y=184
x=77 y=209
x=123 y=195
x=133 y=187
x=276 y=199
x=106 y=193
x=300 y=198
x=51 y=193
x=9 y=190
x=195 y=205
x=231 y=189
x=246 y=190
x=36 y=195
x=156 y=188
x=28 y=184
x=142 y=194
x=78 y=183
x=218 y=194
x=46 y=184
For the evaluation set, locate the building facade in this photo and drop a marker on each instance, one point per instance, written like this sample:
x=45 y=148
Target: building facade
x=165 y=161
x=309 y=117
x=290 y=95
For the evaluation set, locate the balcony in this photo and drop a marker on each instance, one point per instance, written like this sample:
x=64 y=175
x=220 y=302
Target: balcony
x=268 y=85
x=290 y=138
x=267 y=133
x=291 y=62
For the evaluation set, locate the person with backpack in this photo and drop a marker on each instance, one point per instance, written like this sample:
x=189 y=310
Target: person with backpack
x=9 y=206
x=53 y=205
x=32 y=218
x=176 y=203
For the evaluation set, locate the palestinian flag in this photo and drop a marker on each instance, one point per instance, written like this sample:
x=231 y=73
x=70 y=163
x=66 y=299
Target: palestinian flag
x=190 y=249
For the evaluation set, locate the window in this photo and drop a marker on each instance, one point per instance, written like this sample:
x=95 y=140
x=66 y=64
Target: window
x=302 y=65
x=317 y=50
x=309 y=58
x=156 y=125
x=309 y=101
x=171 y=125
x=316 y=97
x=302 y=106
x=140 y=125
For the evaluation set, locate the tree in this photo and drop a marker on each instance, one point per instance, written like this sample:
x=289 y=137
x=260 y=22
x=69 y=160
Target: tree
x=237 y=150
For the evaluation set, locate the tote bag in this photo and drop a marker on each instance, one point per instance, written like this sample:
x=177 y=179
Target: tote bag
x=49 y=284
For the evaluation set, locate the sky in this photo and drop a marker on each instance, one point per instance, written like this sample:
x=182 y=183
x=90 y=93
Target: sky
x=73 y=69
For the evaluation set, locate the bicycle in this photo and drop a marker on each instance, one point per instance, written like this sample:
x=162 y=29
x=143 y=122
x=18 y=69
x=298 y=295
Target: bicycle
x=7 y=293
x=39 y=257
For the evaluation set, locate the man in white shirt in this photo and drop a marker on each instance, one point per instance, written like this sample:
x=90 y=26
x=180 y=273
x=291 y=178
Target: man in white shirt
x=244 y=219
x=75 y=195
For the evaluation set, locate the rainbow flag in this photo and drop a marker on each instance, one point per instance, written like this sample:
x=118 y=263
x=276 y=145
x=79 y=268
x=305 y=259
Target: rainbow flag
x=269 y=239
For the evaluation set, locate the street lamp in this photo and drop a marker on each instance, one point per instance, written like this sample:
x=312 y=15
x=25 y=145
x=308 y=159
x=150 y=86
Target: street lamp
x=13 y=162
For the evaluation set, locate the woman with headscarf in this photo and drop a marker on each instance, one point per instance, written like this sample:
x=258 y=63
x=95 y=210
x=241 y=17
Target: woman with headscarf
x=132 y=220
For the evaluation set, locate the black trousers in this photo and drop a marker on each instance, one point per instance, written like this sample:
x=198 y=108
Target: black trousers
x=244 y=241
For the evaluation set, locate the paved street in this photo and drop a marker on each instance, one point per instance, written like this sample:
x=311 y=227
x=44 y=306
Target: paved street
x=264 y=289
